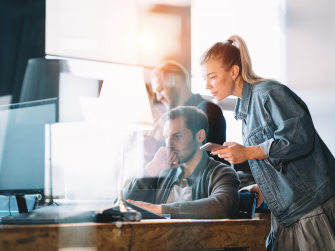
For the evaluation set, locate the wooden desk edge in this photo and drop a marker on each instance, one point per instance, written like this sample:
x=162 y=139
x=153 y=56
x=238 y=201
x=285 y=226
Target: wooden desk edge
x=148 y=235
x=142 y=222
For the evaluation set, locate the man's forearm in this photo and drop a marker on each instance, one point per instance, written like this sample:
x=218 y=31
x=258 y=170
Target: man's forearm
x=152 y=207
x=207 y=208
x=151 y=169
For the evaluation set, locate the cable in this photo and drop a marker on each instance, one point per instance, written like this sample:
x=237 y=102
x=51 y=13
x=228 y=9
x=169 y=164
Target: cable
x=10 y=214
x=52 y=201
x=131 y=234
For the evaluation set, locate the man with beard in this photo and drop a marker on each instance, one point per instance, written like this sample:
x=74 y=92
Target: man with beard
x=171 y=83
x=182 y=180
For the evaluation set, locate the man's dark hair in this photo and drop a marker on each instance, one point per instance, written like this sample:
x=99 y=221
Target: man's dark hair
x=195 y=119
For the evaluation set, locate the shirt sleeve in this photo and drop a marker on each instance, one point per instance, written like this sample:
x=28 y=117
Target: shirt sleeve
x=221 y=203
x=294 y=129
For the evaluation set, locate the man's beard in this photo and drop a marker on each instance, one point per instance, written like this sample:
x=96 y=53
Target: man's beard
x=188 y=152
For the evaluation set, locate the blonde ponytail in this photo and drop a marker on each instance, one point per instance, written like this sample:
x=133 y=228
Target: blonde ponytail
x=233 y=52
x=247 y=73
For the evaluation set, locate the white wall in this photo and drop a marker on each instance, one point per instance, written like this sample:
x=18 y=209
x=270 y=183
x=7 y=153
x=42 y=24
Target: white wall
x=70 y=89
x=5 y=100
x=291 y=41
x=310 y=36
x=310 y=32
x=258 y=22
x=100 y=30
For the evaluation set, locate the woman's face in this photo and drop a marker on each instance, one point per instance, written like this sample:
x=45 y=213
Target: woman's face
x=218 y=81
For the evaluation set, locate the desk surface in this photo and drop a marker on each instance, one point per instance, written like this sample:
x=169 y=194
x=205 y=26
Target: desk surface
x=144 y=235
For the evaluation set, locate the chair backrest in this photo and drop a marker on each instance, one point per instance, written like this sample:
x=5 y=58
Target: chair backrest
x=247 y=205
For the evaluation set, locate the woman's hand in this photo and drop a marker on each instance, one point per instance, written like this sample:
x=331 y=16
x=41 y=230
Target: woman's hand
x=255 y=189
x=236 y=153
x=152 y=207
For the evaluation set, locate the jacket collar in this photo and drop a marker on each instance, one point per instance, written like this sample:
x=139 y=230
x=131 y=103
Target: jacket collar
x=195 y=175
x=242 y=104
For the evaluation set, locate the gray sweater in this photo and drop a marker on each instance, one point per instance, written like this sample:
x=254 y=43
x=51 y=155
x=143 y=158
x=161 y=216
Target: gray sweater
x=214 y=191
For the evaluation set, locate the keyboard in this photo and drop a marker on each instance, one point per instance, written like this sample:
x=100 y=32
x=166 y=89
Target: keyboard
x=50 y=215
x=147 y=214
x=67 y=214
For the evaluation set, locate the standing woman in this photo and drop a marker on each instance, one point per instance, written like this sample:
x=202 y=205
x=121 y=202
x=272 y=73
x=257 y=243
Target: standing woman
x=293 y=168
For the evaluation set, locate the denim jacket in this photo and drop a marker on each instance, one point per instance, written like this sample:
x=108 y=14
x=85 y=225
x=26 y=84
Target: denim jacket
x=299 y=171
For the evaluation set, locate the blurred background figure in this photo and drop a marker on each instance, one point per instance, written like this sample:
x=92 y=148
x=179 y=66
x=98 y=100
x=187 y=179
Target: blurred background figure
x=171 y=84
x=153 y=139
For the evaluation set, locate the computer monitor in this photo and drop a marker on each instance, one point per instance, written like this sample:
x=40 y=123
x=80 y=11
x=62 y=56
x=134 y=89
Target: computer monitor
x=23 y=145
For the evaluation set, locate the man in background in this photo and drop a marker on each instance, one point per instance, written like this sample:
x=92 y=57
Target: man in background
x=171 y=83
x=182 y=180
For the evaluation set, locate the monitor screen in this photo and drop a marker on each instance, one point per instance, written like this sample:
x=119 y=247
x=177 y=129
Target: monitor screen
x=22 y=145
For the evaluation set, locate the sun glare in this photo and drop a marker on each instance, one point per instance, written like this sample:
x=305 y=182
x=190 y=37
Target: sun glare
x=147 y=41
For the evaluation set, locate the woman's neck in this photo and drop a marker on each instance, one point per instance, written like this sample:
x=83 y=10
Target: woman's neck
x=238 y=87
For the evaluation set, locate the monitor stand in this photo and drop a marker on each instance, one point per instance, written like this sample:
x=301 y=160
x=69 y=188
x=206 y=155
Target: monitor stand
x=21 y=203
x=18 y=203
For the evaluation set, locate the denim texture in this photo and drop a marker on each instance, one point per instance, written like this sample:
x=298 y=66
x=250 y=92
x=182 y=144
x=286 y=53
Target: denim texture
x=299 y=172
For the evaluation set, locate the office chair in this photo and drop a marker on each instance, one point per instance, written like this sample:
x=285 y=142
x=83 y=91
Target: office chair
x=247 y=205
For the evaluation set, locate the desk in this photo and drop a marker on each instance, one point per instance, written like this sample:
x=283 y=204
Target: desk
x=267 y=218
x=145 y=235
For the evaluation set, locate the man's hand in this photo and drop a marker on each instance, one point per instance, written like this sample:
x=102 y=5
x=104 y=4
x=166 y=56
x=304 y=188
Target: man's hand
x=255 y=188
x=236 y=153
x=164 y=159
x=152 y=207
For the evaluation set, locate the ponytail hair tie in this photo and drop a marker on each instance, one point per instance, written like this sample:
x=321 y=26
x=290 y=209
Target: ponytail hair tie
x=230 y=41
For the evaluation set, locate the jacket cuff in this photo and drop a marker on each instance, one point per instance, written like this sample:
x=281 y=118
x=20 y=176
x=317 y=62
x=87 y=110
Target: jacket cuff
x=166 y=209
x=265 y=146
x=144 y=174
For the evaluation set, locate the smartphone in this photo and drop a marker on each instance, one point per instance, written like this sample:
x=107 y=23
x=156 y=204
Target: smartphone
x=212 y=147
